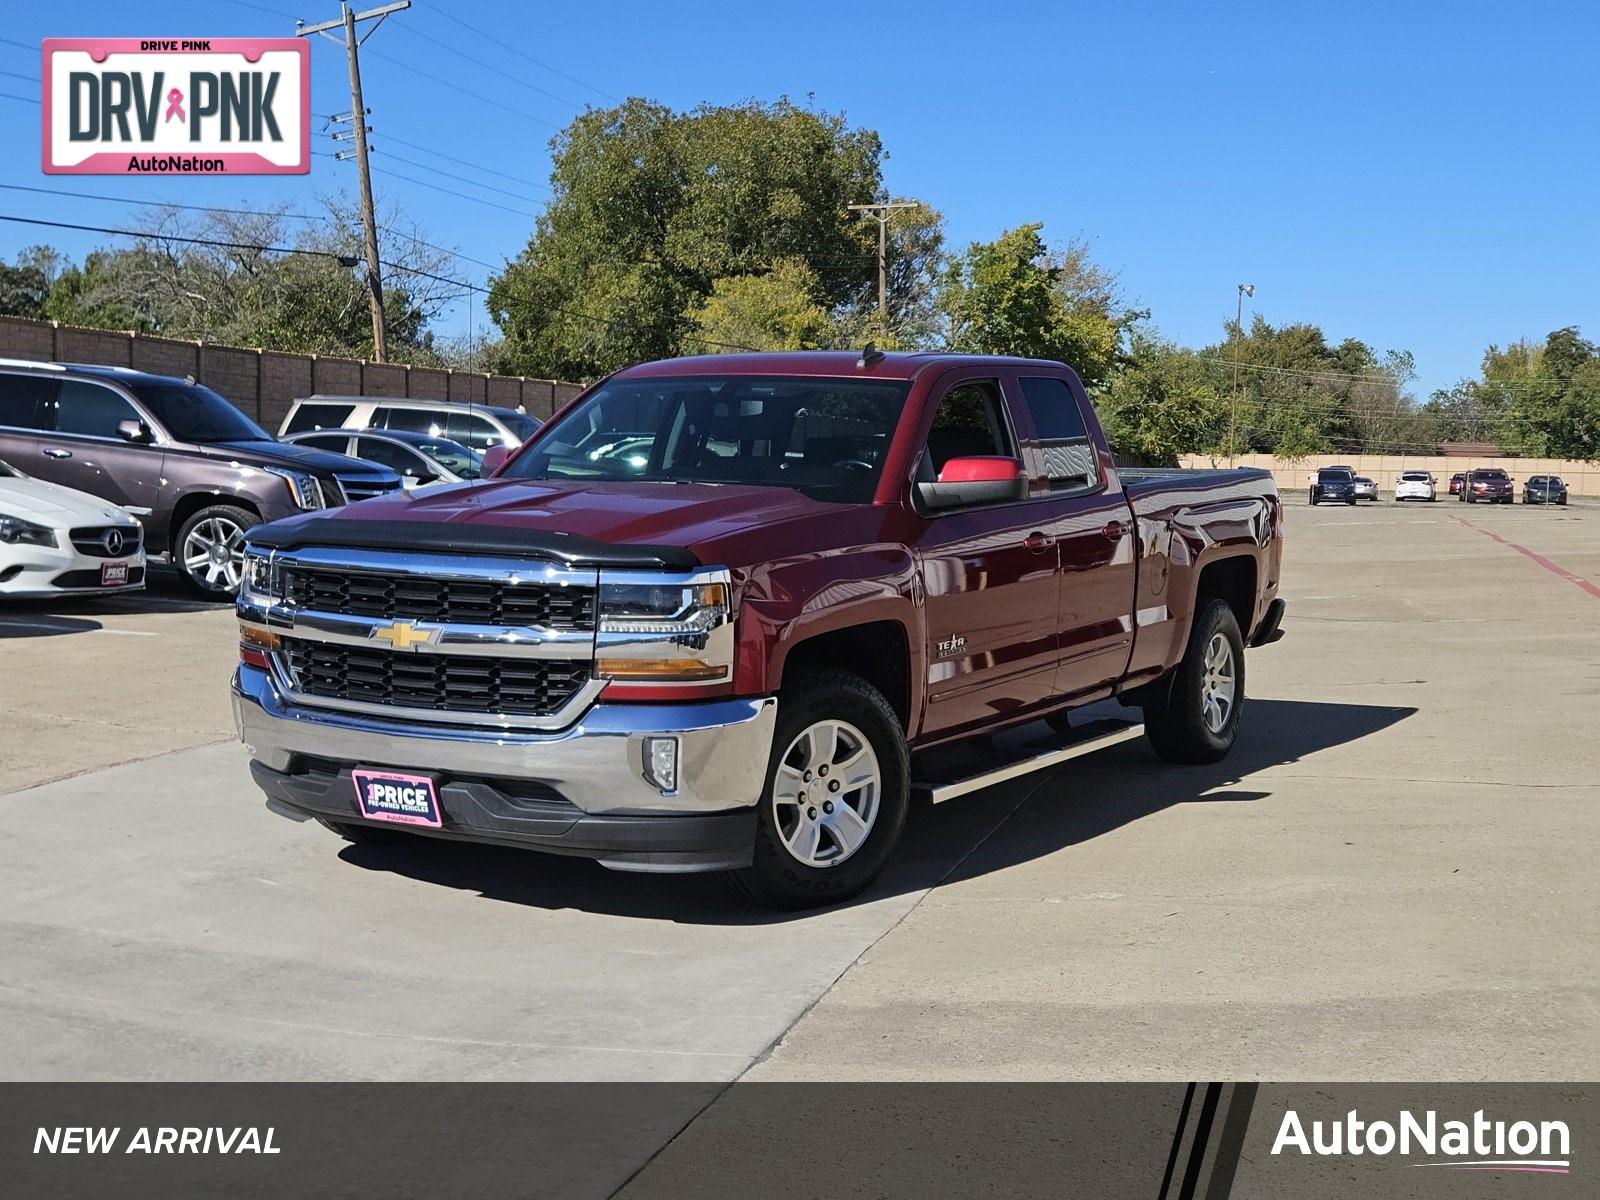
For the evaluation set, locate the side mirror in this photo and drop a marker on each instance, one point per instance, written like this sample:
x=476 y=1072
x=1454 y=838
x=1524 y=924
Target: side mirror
x=493 y=459
x=134 y=431
x=979 y=479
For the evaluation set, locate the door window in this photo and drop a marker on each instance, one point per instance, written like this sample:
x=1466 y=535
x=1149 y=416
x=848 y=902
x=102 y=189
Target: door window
x=319 y=416
x=22 y=400
x=1061 y=437
x=337 y=442
x=390 y=454
x=969 y=421
x=410 y=420
x=88 y=409
x=472 y=430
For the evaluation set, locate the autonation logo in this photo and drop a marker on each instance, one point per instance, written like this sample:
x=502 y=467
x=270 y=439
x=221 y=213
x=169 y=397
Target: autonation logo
x=1476 y=1145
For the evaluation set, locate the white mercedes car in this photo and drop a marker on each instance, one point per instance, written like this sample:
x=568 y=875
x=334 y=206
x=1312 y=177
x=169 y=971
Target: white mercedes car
x=1415 y=485
x=58 y=542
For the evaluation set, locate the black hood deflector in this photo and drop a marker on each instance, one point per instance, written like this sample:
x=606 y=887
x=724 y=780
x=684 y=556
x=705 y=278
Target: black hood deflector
x=445 y=537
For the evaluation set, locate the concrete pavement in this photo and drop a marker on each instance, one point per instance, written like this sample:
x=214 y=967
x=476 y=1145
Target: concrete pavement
x=1393 y=877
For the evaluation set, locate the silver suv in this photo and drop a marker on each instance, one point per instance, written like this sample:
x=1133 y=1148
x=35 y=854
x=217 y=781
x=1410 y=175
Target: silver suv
x=478 y=426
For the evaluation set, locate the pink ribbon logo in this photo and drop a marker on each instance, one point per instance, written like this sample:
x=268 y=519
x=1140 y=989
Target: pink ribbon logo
x=175 y=106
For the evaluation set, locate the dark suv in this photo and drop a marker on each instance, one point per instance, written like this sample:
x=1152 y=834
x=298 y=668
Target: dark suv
x=1334 y=483
x=1487 y=485
x=193 y=468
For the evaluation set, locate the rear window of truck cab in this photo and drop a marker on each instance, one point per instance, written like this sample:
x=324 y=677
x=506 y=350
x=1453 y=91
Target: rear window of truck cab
x=826 y=438
x=1334 y=475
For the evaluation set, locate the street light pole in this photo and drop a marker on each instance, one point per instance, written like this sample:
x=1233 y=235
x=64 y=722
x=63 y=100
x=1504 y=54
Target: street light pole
x=1245 y=289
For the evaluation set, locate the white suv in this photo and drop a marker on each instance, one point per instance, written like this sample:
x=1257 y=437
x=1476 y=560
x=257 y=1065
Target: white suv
x=476 y=425
x=1415 y=485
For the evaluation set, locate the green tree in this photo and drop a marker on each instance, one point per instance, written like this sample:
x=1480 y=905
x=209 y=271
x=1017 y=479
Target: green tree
x=652 y=207
x=239 y=289
x=1013 y=296
x=25 y=283
x=774 y=311
x=1161 y=404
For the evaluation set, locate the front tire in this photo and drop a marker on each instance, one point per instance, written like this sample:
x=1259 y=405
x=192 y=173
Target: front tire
x=209 y=550
x=1195 y=718
x=836 y=794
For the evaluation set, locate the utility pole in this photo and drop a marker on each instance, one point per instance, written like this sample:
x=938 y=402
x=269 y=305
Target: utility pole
x=358 y=118
x=882 y=213
x=1245 y=289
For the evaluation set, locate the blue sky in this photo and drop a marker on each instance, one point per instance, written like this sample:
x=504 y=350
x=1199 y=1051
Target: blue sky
x=1421 y=175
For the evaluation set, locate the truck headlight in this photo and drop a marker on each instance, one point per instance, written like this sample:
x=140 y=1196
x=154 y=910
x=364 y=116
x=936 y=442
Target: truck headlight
x=14 y=531
x=305 y=490
x=665 y=628
x=262 y=580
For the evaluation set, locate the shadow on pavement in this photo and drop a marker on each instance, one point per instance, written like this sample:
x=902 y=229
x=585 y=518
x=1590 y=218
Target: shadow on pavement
x=1044 y=813
x=164 y=592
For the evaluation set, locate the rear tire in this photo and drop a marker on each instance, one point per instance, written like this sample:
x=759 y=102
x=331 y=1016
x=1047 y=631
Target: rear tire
x=820 y=840
x=1184 y=720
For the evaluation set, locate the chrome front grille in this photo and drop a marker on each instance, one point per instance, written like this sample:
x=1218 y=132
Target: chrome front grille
x=97 y=541
x=456 y=639
x=422 y=598
x=446 y=683
x=365 y=487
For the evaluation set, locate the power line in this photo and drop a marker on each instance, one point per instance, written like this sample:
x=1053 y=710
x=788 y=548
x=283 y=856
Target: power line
x=21 y=76
x=21 y=45
x=488 y=66
x=411 y=162
x=466 y=162
x=249 y=212
x=478 y=96
x=14 y=96
x=451 y=192
x=520 y=53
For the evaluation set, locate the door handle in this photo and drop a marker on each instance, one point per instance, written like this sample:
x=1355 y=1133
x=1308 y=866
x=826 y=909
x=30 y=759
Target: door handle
x=52 y=452
x=1113 y=530
x=1038 y=542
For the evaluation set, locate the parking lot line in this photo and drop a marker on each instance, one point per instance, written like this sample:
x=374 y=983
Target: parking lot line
x=1553 y=567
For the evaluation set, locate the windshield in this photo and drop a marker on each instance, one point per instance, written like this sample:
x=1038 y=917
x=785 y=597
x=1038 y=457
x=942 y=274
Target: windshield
x=1491 y=475
x=193 y=413
x=826 y=438
x=453 y=456
x=1333 y=476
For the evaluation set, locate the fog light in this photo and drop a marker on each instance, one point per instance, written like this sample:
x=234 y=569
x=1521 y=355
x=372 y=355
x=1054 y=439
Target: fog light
x=661 y=762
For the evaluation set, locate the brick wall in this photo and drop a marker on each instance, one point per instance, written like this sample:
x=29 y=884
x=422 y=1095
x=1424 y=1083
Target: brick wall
x=263 y=383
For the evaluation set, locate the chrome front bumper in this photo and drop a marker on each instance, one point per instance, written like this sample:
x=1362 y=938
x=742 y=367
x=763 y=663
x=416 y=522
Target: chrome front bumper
x=596 y=763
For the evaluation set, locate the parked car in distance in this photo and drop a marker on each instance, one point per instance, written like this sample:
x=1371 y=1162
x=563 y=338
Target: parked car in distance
x=1456 y=481
x=805 y=571
x=1487 y=485
x=58 y=542
x=416 y=457
x=1415 y=485
x=194 y=469
x=1335 y=484
x=476 y=425
x=1366 y=489
x=1544 y=489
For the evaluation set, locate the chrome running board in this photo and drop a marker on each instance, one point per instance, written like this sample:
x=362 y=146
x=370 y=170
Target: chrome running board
x=1034 y=756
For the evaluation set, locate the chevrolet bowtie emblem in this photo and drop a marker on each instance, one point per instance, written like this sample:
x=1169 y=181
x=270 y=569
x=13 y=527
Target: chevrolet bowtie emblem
x=403 y=635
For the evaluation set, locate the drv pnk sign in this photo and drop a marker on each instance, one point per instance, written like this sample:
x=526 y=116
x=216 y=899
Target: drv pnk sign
x=177 y=106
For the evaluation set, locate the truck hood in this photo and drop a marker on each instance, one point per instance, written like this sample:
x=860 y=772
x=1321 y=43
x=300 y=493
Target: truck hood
x=712 y=522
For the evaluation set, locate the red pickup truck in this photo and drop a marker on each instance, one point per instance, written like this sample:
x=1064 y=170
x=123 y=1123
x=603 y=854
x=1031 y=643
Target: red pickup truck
x=732 y=613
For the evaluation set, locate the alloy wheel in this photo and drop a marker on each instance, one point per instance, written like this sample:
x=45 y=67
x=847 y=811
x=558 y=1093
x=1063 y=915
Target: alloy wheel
x=213 y=554
x=826 y=793
x=1217 y=689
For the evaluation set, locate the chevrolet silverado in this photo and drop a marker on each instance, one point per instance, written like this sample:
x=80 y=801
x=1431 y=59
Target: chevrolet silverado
x=736 y=612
